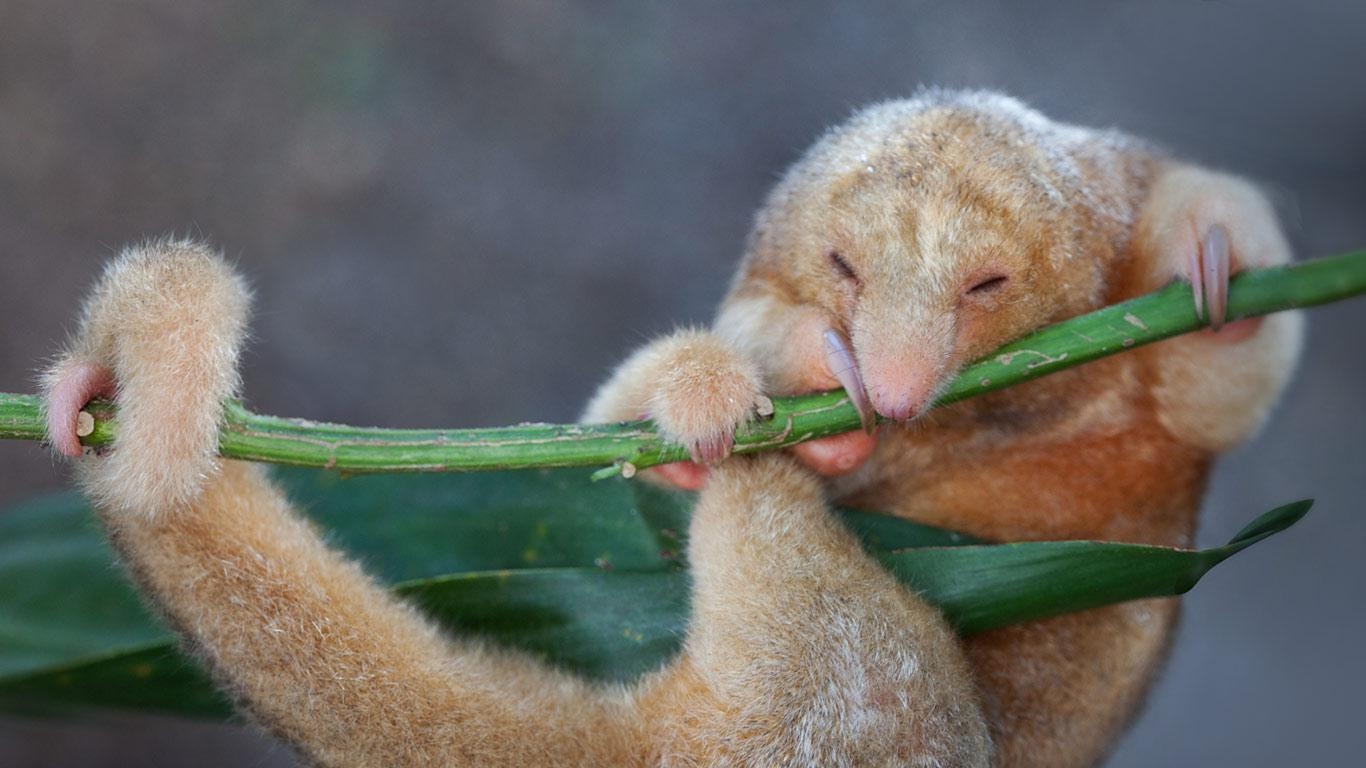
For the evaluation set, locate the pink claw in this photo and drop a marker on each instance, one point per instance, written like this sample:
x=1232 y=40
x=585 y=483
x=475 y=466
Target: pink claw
x=75 y=387
x=1197 y=279
x=1209 y=273
x=842 y=366
x=712 y=451
x=1215 y=259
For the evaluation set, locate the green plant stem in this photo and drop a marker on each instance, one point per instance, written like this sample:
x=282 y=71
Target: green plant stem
x=627 y=447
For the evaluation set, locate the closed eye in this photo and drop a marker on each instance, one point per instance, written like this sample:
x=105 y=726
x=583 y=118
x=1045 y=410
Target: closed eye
x=847 y=272
x=988 y=285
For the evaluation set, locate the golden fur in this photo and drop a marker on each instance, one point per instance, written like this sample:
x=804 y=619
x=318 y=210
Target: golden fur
x=800 y=649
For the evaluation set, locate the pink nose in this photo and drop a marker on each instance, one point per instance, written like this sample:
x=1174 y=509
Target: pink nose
x=897 y=405
x=899 y=397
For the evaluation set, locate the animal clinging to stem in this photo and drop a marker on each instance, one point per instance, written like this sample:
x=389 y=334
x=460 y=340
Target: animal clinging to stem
x=918 y=236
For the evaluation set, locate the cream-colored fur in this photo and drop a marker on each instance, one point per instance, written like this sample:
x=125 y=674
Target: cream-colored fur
x=881 y=232
x=1186 y=201
x=800 y=650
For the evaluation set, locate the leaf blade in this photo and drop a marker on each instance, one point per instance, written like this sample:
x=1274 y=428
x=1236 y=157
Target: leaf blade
x=604 y=597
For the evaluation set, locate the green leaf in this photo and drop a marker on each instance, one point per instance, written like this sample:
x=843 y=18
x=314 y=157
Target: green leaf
x=983 y=587
x=608 y=625
x=585 y=575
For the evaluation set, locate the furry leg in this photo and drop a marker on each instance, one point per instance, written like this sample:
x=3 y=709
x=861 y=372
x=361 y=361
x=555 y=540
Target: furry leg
x=1215 y=389
x=312 y=647
x=811 y=653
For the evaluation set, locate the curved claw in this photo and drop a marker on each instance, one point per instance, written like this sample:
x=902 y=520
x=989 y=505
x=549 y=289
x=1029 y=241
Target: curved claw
x=1197 y=278
x=1214 y=257
x=842 y=366
x=74 y=387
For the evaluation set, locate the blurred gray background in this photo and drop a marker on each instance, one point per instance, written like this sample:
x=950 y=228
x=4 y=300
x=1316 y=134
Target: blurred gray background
x=463 y=215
